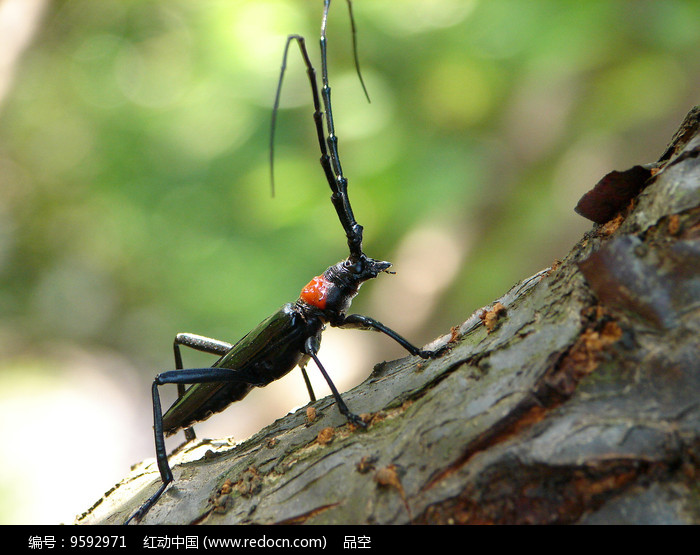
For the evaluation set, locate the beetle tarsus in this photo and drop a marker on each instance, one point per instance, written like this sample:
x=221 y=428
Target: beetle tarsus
x=356 y=420
x=432 y=354
x=138 y=515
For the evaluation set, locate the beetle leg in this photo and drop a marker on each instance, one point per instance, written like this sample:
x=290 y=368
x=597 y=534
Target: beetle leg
x=188 y=376
x=199 y=343
x=302 y=366
x=311 y=347
x=358 y=321
x=166 y=474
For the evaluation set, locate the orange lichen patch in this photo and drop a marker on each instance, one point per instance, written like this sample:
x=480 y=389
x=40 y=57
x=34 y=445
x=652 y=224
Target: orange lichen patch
x=250 y=482
x=325 y=436
x=594 y=313
x=220 y=499
x=591 y=343
x=490 y=317
x=611 y=227
x=226 y=487
x=388 y=477
x=310 y=414
x=610 y=333
x=554 y=267
x=674 y=224
x=589 y=488
x=584 y=357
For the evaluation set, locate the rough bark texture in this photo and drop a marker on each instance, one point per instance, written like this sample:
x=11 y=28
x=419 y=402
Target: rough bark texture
x=572 y=399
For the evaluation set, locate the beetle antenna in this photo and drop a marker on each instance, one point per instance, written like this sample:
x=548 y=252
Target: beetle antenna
x=339 y=185
x=330 y=160
x=275 y=108
x=354 y=51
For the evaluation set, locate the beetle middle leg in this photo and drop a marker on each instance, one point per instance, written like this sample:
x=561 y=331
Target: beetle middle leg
x=307 y=381
x=198 y=343
x=311 y=347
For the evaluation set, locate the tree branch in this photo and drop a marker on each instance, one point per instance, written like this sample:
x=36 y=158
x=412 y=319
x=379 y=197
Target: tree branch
x=573 y=398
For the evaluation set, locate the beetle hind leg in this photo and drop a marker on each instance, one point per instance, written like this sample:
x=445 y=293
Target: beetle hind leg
x=198 y=343
x=181 y=376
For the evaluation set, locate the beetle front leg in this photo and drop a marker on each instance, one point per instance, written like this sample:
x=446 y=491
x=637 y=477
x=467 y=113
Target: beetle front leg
x=358 y=321
x=311 y=346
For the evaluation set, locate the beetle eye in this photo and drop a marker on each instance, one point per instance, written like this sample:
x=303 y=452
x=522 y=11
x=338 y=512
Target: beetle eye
x=354 y=266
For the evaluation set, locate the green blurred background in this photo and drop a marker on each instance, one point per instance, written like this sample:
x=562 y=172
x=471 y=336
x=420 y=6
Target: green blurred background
x=135 y=199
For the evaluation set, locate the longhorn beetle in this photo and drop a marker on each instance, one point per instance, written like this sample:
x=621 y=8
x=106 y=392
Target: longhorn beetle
x=292 y=335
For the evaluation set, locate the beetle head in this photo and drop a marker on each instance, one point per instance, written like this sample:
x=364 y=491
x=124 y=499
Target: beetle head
x=336 y=287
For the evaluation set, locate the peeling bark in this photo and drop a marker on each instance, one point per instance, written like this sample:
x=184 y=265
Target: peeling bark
x=571 y=399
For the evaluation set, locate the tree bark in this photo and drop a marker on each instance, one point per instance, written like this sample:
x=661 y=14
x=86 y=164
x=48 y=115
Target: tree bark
x=571 y=399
